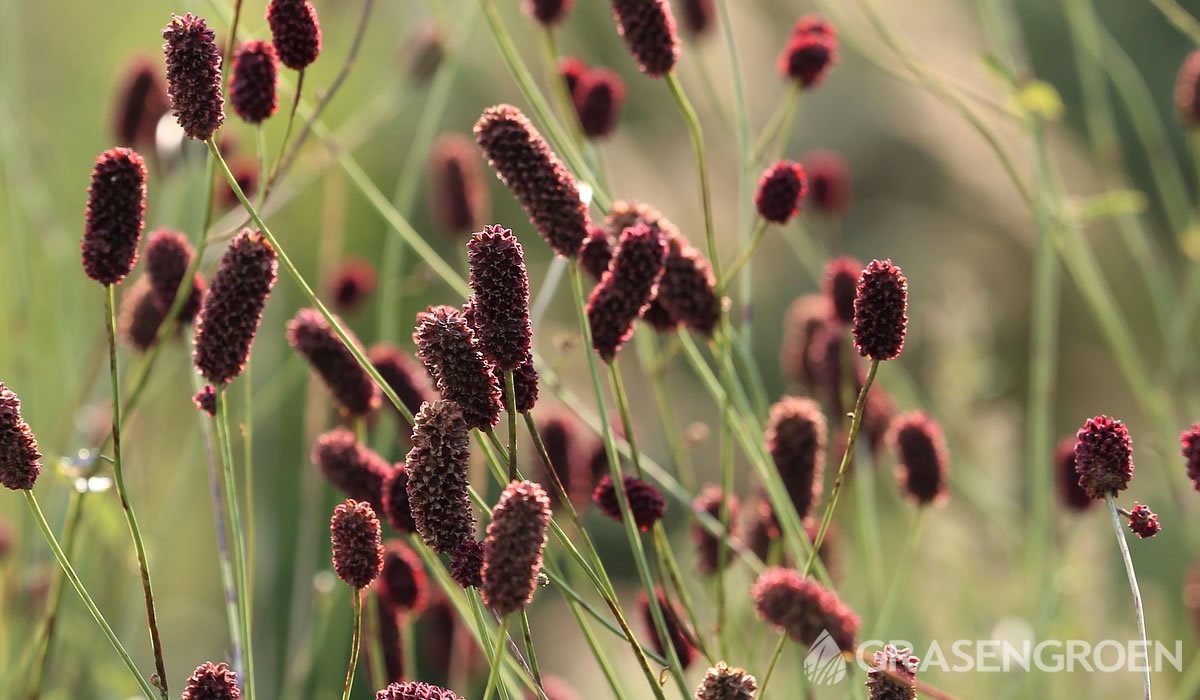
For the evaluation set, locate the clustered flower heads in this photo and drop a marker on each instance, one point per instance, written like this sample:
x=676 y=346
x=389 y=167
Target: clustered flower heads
x=924 y=461
x=893 y=674
x=1187 y=90
x=253 y=83
x=168 y=256
x=512 y=551
x=232 y=308
x=881 y=311
x=357 y=543
x=548 y=12
x=500 y=299
x=646 y=503
x=828 y=181
x=803 y=608
x=466 y=566
x=141 y=102
x=212 y=682
x=723 y=682
x=458 y=195
x=415 y=690
x=402 y=583
x=795 y=439
x=437 y=476
x=194 y=75
x=780 y=191
x=206 y=400
x=626 y=289
x=313 y=337
x=674 y=626
x=352 y=467
x=20 y=459
x=1143 y=521
x=295 y=32
x=648 y=29
x=599 y=97
x=708 y=545
x=1189 y=441
x=841 y=286
x=1103 y=456
x=810 y=51
x=115 y=215
x=446 y=345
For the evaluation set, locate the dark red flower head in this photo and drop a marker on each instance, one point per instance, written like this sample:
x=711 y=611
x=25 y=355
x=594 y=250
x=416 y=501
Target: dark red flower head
x=458 y=195
x=351 y=284
x=1189 y=441
x=206 y=400
x=626 y=289
x=353 y=468
x=395 y=500
x=571 y=70
x=402 y=374
x=649 y=31
x=415 y=690
x=446 y=345
x=212 y=682
x=674 y=625
x=168 y=257
x=1103 y=456
x=780 y=190
x=722 y=682
x=599 y=97
x=646 y=503
x=1187 y=90
x=115 y=215
x=698 y=16
x=232 y=308
x=548 y=12
x=20 y=459
x=437 y=476
x=466 y=566
x=194 y=75
x=813 y=24
x=893 y=674
x=391 y=639
x=536 y=177
x=1143 y=521
x=881 y=311
x=140 y=316
x=500 y=300
x=796 y=441
x=828 y=181
x=687 y=291
x=922 y=456
x=708 y=545
x=560 y=435
x=402 y=584
x=803 y=608
x=295 y=31
x=512 y=551
x=762 y=527
x=805 y=318
x=357 y=543
x=810 y=51
x=141 y=102
x=1070 y=492
x=313 y=337
x=841 y=286
x=252 y=86
x=596 y=252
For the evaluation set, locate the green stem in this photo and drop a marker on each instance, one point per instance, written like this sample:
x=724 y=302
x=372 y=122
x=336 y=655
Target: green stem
x=744 y=256
x=1133 y=584
x=287 y=133
x=355 y=641
x=906 y=564
x=697 y=137
x=527 y=634
x=762 y=689
x=778 y=122
x=50 y=622
x=237 y=534
x=376 y=665
x=497 y=658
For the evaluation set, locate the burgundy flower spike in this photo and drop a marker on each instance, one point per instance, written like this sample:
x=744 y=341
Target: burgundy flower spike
x=115 y=215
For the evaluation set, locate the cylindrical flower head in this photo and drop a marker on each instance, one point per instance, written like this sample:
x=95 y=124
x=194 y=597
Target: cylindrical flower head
x=1189 y=441
x=1187 y=90
x=893 y=674
x=675 y=629
x=194 y=75
x=141 y=102
x=206 y=400
x=762 y=527
x=402 y=374
x=596 y=252
x=500 y=299
x=827 y=359
x=466 y=566
x=560 y=436
x=796 y=441
x=395 y=500
x=809 y=53
x=922 y=456
x=626 y=289
x=708 y=545
x=295 y=32
x=252 y=86
x=571 y=70
x=599 y=98
x=649 y=31
x=115 y=215
x=437 y=476
x=881 y=311
x=415 y=690
x=402 y=583
x=391 y=639
x=646 y=503
x=314 y=338
x=168 y=256
x=805 y=318
x=841 y=286
x=828 y=181
x=1103 y=456
x=357 y=543
x=1070 y=493
x=446 y=345
x=536 y=177
x=458 y=195
x=525 y=384
x=351 y=284
x=212 y=682
x=20 y=459
x=548 y=12
x=352 y=467
x=698 y=16
x=512 y=550
x=722 y=682
x=803 y=608
x=140 y=317
x=232 y=308
x=780 y=191
x=1143 y=521
x=687 y=290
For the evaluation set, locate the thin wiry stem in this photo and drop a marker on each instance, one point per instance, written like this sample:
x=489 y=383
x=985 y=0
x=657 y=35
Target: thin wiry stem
x=376 y=665
x=287 y=133
x=497 y=658
x=1133 y=584
x=238 y=535
x=50 y=623
x=527 y=634
x=905 y=566
x=779 y=645
x=355 y=640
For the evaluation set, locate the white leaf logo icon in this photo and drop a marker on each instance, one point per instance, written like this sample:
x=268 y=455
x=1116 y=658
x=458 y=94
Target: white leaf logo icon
x=824 y=664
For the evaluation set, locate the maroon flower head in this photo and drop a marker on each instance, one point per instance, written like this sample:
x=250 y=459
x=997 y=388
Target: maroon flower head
x=803 y=608
x=596 y=252
x=536 y=177
x=194 y=75
x=649 y=31
x=762 y=527
x=813 y=24
x=881 y=311
x=206 y=400
x=20 y=460
x=877 y=413
x=391 y=639
x=252 y=86
x=168 y=256
x=626 y=289
x=512 y=550
x=351 y=467
x=599 y=97
x=796 y=441
x=115 y=215
x=841 y=286
x=1103 y=456
x=525 y=384
x=571 y=70
x=548 y=12
x=1187 y=90
x=828 y=181
x=674 y=626
x=295 y=31
x=500 y=299
x=1143 y=521
x=314 y=338
x=357 y=543
x=810 y=51
x=245 y=174
x=687 y=290
x=352 y=283
x=458 y=195
x=922 y=456
x=893 y=674
x=232 y=308
x=698 y=16
x=646 y=503
x=140 y=316
x=1189 y=441
x=805 y=318
x=780 y=190
x=722 y=682
x=415 y=690
x=560 y=435
x=402 y=374
x=437 y=476
x=708 y=545
x=447 y=347
x=395 y=500
x=402 y=584
x=212 y=682
x=141 y=102
x=1070 y=493
x=466 y=566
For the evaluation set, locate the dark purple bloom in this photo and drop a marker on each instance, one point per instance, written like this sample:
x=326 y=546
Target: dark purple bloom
x=357 y=543
x=828 y=181
x=780 y=191
x=206 y=400
x=395 y=500
x=212 y=682
x=20 y=459
x=646 y=503
x=924 y=460
x=314 y=338
x=512 y=551
x=168 y=256
x=295 y=31
x=252 y=85
x=674 y=626
x=1103 y=456
x=599 y=97
x=352 y=467
x=1070 y=492
x=437 y=477
x=1189 y=441
x=548 y=12
x=500 y=299
x=649 y=31
x=194 y=75
x=115 y=215
x=796 y=442
x=402 y=584
x=626 y=289
x=232 y=308
x=141 y=102
x=446 y=345
x=841 y=286
x=1143 y=521
x=803 y=608
x=458 y=195
x=881 y=311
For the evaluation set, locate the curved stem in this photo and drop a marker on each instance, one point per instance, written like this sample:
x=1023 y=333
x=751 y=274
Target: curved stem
x=287 y=133
x=527 y=633
x=1133 y=584
x=355 y=640
x=748 y=252
x=762 y=689
x=238 y=535
x=50 y=624
x=497 y=658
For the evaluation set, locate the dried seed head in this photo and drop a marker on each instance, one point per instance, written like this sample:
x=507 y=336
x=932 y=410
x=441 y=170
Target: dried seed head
x=402 y=374
x=206 y=400
x=1103 y=456
x=313 y=337
x=722 y=682
x=447 y=347
x=212 y=682
x=351 y=284
x=20 y=460
x=512 y=551
x=881 y=311
x=1187 y=90
x=395 y=500
x=698 y=16
x=646 y=503
x=115 y=215
x=649 y=31
x=295 y=31
x=805 y=318
x=571 y=70
x=141 y=102
x=674 y=626
x=458 y=195
x=536 y=177
x=232 y=308
x=803 y=608
x=828 y=181
x=437 y=476
x=252 y=86
x=810 y=51
x=687 y=290
x=466 y=566
x=194 y=75
x=795 y=438
x=1189 y=441
x=415 y=690
x=626 y=289
x=351 y=467
x=548 y=12
x=841 y=286
x=560 y=436
x=168 y=256
x=1070 y=493
x=780 y=191
x=708 y=545
x=922 y=456
x=893 y=674
x=599 y=97
x=1143 y=521
x=140 y=316
x=500 y=303
x=357 y=544
x=402 y=584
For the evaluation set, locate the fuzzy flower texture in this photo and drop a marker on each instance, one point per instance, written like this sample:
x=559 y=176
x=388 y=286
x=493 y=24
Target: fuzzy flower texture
x=115 y=215
x=20 y=459
x=512 y=551
x=232 y=308
x=194 y=75
x=357 y=545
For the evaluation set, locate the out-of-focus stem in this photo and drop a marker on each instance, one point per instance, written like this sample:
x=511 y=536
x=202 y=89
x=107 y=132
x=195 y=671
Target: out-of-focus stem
x=1133 y=585
x=355 y=641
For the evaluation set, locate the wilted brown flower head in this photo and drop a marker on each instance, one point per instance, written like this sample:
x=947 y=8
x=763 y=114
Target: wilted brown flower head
x=648 y=29
x=402 y=374
x=466 y=566
x=560 y=435
x=140 y=316
x=708 y=545
x=698 y=16
x=722 y=682
x=810 y=51
x=212 y=682
x=458 y=195
x=805 y=318
x=351 y=467
x=20 y=459
x=841 y=286
x=1187 y=90
x=402 y=583
x=395 y=500
x=881 y=311
x=446 y=345
x=351 y=284
x=626 y=289
x=500 y=299
x=893 y=674
x=437 y=476
x=548 y=12
x=194 y=75
x=1070 y=493
x=536 y=177
x=780 y=191
x=357 y=543
x=795 y=438
x=599 y=97
x=828 y=181
x=295 y=31
x=512 y=551
x=252 y=85
x=313 y=337
x=141 y=102
x=1189 y=441
x=803 y=608
x=674 y=625
x=206 y=400
x=115 y=215
x=232 y=308
x=1143 y=521
x=415 y=690
x=922 y=456
x=1103 y=456
x=168 y=256
x=646 y=503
